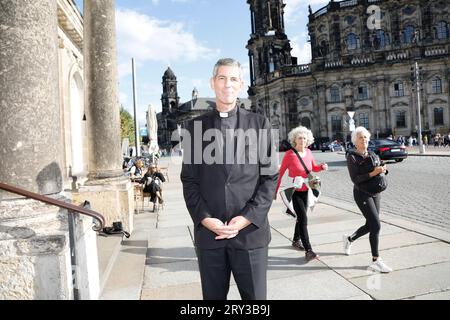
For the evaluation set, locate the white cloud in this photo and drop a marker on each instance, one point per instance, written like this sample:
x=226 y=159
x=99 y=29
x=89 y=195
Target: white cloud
x=146 y=38
x=199 y=83
x=296 y=10
x=302 y=52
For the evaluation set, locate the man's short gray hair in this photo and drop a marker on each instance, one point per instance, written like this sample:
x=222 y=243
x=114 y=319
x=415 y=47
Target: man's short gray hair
x=300 y=131
x=358 y=131
x=227 y=62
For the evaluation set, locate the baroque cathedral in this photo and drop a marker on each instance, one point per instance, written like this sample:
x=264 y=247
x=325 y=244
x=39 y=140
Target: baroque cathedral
x=362 y=57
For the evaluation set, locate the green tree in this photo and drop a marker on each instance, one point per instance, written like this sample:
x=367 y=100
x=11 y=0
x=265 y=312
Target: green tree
x=126 y=125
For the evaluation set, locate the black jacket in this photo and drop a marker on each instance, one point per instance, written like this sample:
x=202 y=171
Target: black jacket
x=247 y=190
x=154 y=175
x=359 y=167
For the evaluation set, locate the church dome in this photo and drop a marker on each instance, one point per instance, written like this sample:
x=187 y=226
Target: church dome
x=169 y=74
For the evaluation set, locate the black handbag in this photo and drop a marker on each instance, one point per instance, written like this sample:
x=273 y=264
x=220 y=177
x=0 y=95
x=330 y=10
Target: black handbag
x=377 y=183
x=374 y=185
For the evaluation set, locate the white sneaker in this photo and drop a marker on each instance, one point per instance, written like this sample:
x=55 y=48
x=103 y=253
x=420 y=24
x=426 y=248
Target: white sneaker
x=346 y=244
x=380 y=266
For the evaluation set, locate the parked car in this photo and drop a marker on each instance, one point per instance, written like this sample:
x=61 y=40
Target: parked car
x=332 y=146
x=387 y=149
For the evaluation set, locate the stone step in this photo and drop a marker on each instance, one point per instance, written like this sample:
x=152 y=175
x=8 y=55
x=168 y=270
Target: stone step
x=127 y=273
x=108 y=248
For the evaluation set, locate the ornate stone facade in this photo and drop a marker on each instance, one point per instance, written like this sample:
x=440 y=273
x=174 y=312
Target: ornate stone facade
x=362 y=54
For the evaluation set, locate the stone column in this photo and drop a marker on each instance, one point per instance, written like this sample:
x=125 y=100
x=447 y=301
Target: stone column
x=322 y=107
x=108 y=190
x=100 y=65
x=34 y=254
x=30 y=144
x=379 y=111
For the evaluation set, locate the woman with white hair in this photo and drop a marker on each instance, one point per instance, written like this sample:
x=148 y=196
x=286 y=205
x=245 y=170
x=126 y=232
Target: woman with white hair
x=300 y=138
x=362 y=166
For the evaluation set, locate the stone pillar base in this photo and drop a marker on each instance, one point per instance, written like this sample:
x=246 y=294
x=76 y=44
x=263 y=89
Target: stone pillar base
x=34 y=251
x=112 y=197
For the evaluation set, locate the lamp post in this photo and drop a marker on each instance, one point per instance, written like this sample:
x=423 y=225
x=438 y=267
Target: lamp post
x=419 y=119
x=136 y=122
x=416 y=78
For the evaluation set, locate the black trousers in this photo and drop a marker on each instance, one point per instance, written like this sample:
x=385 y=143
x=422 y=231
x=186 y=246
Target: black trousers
x=300 y=200
x=249 y=269
x=370 y=208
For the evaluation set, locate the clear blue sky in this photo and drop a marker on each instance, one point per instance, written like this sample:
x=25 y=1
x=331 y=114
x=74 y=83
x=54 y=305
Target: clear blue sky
x=190 y=36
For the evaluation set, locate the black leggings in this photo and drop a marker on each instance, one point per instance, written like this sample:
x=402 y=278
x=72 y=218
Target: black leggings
x=300 y=200
x=370 y=208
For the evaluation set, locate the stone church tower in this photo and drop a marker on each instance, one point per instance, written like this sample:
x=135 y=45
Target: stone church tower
x=169 y=96
x=269 y=47
x=170 y=102
x=269 y=51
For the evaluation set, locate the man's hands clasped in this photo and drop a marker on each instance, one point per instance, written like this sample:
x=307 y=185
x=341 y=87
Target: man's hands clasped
x=227 y=230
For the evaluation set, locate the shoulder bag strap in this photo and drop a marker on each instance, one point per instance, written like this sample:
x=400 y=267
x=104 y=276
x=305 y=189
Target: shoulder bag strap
x=299 y=158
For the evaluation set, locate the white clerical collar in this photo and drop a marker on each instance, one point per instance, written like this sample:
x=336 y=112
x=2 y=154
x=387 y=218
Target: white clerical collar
x=227 y=114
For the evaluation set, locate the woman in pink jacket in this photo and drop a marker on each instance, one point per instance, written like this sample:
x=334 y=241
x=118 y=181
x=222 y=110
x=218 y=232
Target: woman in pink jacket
x=300 y=138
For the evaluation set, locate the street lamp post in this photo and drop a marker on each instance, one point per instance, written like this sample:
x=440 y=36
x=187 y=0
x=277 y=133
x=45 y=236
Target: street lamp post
x=416 y=78
x=419 y=119
x=136 y=122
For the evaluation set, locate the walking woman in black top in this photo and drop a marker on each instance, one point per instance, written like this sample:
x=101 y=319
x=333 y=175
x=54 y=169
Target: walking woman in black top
x=362 y=166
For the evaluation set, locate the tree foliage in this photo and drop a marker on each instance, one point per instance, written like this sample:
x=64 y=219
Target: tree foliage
x=126 y=125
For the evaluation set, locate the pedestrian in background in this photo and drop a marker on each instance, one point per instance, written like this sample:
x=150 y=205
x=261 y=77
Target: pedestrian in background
x=136 y=169
x=363 y=165
x=300 y=138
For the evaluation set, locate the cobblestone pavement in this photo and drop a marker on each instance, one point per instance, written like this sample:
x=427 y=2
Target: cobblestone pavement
x=419 y=187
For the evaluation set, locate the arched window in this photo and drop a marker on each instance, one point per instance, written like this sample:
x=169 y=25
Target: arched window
x=172 y=106
x=322 y=48
x=436 y=85
x=271 y=61
x=408 y=34
x=381 y=40
x=335 y=94
x=306 y=122
x=439 y=116
x=352 y=41
x=76 y=108
x=441 y=30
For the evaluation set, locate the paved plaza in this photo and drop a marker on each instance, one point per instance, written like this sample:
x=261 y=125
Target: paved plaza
x=159 y=261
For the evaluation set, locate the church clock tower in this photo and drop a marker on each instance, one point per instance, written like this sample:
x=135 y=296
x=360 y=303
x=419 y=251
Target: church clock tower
x=169 y=97
x=268 y=48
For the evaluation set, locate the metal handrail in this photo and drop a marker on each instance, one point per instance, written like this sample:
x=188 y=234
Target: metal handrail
x=99 y=219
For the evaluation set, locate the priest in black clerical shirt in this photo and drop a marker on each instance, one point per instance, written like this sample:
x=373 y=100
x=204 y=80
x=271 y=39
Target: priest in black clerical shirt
x=229 y=198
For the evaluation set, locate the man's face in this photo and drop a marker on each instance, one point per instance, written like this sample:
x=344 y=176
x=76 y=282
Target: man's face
x=227 y=84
